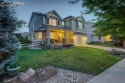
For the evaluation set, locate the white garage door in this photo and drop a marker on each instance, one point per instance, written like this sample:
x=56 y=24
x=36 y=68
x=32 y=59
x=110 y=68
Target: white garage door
x=80 y=40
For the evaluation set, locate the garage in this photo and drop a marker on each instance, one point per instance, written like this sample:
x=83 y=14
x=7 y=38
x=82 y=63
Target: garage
x=80 y=40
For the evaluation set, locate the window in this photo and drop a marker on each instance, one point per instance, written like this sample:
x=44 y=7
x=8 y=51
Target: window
x=38 y=35
x=99 y=38
x=63 y=23
x=52 y=21
x=80 y=25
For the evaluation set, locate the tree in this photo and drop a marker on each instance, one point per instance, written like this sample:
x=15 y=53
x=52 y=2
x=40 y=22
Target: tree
x=20 y=23
x=23 y=40
x=110 y=16
x=8 y=42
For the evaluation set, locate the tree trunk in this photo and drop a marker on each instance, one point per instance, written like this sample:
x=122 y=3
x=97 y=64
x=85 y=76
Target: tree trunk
x=124 y=43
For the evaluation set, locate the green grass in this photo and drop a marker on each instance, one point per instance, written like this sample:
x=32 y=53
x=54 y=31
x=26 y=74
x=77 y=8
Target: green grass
x=105 y=45
x=82 y=59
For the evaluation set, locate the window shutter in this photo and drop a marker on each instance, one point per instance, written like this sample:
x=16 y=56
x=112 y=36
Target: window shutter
x=58 y=22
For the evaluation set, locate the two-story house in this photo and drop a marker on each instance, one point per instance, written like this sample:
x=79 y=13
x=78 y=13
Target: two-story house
x=69 y=30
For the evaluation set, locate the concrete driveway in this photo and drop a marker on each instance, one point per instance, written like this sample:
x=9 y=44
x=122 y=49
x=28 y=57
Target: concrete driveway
x=106 y=48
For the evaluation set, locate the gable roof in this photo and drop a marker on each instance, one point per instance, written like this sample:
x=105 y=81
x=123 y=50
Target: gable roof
x=81 y=17
x=33 y=14
x=53 y=11
x=70 y=17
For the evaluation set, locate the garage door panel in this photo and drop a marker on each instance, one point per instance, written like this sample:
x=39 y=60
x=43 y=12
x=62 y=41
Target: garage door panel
x=80 y=40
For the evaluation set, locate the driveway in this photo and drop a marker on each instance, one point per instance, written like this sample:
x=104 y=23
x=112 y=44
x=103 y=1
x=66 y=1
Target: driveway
x=106 y=48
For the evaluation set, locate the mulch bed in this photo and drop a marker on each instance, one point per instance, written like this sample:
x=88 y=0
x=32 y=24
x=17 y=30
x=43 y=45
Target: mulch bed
x=117 y=54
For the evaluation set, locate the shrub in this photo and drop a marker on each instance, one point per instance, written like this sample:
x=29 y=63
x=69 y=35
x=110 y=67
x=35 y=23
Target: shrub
x=52 y=41
x=23 y=40
x=68 y=45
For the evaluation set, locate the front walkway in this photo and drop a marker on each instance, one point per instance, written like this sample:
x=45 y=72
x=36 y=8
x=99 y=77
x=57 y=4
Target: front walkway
x=106 y=48
x=114 y=74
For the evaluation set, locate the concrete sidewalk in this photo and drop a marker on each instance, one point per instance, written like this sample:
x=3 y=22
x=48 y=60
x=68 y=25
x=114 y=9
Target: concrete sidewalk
x=114 y=74
x=105 y=48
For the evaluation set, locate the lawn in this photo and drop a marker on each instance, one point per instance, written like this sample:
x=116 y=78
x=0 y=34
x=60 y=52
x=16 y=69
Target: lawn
x=82 y=59
x=105 y=45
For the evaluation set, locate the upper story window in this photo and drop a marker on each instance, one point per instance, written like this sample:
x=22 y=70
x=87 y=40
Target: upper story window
x=52 y=21
x=63 y=23
x=80 y=25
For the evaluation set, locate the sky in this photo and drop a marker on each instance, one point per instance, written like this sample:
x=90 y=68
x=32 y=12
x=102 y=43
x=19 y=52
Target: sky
x=63 y=8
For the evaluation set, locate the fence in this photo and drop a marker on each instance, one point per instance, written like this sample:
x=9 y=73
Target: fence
x=34 y=44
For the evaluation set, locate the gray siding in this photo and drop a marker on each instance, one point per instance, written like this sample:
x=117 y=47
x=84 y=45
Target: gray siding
x=69 y=24
x=37 y=21
x=89 y=30
x=80 y=19
x=52 y=15
x=91 y=37
x=74 y=25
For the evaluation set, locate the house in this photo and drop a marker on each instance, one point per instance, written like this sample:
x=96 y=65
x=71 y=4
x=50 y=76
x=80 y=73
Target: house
x=91 y=37
x=69 y=30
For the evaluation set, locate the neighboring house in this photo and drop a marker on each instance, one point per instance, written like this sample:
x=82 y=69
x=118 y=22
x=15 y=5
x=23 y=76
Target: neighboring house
x=69 y=30
x=91 y=37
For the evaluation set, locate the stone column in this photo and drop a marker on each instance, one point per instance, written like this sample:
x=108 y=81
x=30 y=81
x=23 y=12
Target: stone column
x=48 y=37
x=65 y=37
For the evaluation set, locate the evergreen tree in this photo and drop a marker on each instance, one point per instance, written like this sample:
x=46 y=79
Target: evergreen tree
x=8 y=42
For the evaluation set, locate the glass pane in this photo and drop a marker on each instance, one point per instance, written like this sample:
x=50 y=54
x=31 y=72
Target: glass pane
x=52 y=22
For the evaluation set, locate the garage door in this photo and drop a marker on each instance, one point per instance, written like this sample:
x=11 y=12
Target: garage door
x=80 y=40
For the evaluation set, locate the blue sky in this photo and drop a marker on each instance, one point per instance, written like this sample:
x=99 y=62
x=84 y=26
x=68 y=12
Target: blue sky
x=61 y=6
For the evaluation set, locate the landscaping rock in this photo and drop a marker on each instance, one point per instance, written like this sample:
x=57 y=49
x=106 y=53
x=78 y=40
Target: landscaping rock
x=42 y=75
x=30 y=72
x=6 y=80
x=23 y=77
x=46 y=73
x=52 y=75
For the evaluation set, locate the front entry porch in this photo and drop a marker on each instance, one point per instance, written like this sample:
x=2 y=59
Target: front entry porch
x=56 y=36
x=61 y=36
